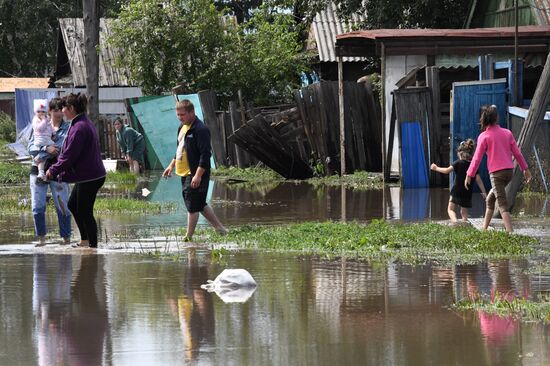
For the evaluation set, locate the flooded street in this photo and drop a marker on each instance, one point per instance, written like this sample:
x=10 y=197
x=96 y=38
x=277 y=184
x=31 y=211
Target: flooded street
x=70 y=307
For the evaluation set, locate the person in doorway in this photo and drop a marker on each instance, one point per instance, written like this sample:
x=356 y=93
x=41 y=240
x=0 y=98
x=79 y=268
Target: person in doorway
x=459 y=196
x=59 y=190
x=132 y=144
x=192 y=163
x=80 y=163
x=500 y=146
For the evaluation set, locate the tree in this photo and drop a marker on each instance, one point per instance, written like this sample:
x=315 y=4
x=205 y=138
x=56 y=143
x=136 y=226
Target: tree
x=29 y=30
x=397 y=13
x=192 y=44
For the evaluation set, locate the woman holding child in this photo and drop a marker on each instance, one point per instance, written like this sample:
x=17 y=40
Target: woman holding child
x=59 y=190
x=80 y=163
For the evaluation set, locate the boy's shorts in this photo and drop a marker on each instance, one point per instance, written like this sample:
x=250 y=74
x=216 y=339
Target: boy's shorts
x=194 y=198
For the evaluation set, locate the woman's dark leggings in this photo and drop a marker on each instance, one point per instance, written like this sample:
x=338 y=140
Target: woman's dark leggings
x=81 y=204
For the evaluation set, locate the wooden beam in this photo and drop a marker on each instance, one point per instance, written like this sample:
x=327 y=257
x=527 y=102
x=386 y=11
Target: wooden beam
x=531 y=127
x=342 y=120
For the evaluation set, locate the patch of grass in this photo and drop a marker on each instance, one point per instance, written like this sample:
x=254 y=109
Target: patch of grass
x=7 y=128
x=247 y=174
x=13 y=173
x=16 y=203
x=359 y=180
x=411 y=243
x=121 y=177
x=501 y=305
x=125 y=205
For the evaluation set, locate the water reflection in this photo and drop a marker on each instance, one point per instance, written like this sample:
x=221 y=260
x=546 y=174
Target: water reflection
x=70 y=317
x=127 y=310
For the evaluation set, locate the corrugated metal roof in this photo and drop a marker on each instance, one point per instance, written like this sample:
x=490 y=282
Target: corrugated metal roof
x=72 y=31
x=427 y=34
x=541 y=8
x=8 y=85
x=326 y=26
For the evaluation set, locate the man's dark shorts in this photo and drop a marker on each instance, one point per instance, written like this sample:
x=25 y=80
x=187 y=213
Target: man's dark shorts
x=194 y=199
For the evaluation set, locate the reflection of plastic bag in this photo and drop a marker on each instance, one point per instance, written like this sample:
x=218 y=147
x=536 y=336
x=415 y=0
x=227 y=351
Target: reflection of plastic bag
x=232 y=285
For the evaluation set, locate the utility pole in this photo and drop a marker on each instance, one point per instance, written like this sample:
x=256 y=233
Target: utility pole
x=90 y=10
x=516 y=101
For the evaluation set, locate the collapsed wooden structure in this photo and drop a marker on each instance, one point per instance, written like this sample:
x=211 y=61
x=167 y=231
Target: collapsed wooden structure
x=295 y=139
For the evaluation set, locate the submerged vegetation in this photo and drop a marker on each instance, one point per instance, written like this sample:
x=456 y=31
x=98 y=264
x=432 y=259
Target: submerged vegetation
x=126 y=205
x=408 y=243
x=125 y=177
x=358 y=180
x=247 y=174
x=505 y=306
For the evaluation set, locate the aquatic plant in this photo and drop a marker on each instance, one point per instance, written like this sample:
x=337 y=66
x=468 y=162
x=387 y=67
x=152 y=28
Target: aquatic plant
x=121 y=177
x=126 y=205
x=359 y=180
x=380 y=239
x=246 y=174
x=504 y=305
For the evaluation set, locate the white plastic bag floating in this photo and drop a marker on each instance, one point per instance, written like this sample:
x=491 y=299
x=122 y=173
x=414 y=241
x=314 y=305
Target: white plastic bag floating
x=232 y=285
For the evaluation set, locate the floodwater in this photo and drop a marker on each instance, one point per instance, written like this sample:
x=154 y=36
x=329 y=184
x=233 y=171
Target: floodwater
x=120 y=309
x=70 y=307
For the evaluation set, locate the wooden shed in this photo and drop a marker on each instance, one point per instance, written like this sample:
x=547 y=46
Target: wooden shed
x=403 y=50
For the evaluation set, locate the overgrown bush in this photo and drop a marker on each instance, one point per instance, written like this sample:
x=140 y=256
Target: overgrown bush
x=7 y=128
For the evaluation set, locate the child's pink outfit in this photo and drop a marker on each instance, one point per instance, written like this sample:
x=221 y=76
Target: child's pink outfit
x=500 y=145
x=42 y=131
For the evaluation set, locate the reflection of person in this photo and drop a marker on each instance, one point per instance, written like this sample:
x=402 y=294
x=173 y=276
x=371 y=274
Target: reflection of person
x=500 y=145
x=88 y=322
x=194 y=308
x=60 y=190
x=42 y=134
x=51 y=306
x=131 y=144
x=80 y=163
x=459 y=195
x=192 y=163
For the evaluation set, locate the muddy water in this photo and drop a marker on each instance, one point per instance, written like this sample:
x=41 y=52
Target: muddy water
x=118 y=309
x=271 y=203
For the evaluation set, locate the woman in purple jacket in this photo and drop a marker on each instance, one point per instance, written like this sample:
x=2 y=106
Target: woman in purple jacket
x=80 y=163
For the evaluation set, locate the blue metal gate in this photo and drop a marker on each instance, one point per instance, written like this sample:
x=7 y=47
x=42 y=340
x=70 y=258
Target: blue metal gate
x=467 y=99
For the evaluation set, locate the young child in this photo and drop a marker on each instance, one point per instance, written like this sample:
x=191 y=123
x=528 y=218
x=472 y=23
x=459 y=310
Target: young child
x=43 y=133
x=460 y=196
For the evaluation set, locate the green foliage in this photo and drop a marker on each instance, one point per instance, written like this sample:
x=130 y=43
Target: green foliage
x=504 y=306
x=380 y=239
x=247 y=174
x=125 y=205
x=358 y=180
x=13 y=173
x=399 y=13
x=193 y=45
x=121 y=177
x=29 y=31
x=7 y=128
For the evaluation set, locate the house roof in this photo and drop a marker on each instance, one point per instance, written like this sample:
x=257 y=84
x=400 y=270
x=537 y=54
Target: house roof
x=325 y=27
x=71 y=58
x=442 y=41
x=8 y=85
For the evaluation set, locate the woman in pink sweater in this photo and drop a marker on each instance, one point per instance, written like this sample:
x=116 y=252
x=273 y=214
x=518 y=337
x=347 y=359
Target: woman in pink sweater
x=500 y=145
